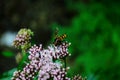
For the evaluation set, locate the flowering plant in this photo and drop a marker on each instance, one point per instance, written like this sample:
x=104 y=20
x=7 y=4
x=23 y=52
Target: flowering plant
x=44 y=64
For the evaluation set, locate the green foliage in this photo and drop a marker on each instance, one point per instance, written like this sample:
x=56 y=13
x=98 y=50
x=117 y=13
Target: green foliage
x=7 y=53
x=95 y=41
x=7 y=75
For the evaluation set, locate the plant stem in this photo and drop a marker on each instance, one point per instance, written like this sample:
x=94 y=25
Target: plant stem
x=65 y=63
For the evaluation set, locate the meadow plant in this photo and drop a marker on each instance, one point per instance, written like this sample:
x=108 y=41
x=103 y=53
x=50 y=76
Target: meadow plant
x=22 y=39
x=44 y=63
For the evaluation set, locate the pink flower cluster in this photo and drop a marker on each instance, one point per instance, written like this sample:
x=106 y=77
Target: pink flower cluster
x=22 y=38
x=43 y=65
x=78 y=77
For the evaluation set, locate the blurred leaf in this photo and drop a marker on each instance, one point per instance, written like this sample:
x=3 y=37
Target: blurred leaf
x=7 y=53
x=8 y=75
x=94 y=36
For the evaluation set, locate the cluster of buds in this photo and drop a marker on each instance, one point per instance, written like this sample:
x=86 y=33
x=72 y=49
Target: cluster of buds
x=61 y=51
x=42 y=64
x=27 y=74
x=22 y=39
x=78 y=77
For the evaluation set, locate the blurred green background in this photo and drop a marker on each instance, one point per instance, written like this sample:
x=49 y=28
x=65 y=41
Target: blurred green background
x=92 y=28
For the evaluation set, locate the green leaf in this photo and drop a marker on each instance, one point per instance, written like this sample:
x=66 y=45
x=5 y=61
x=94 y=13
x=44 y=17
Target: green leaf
x=7 y=53
x=8 y=75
